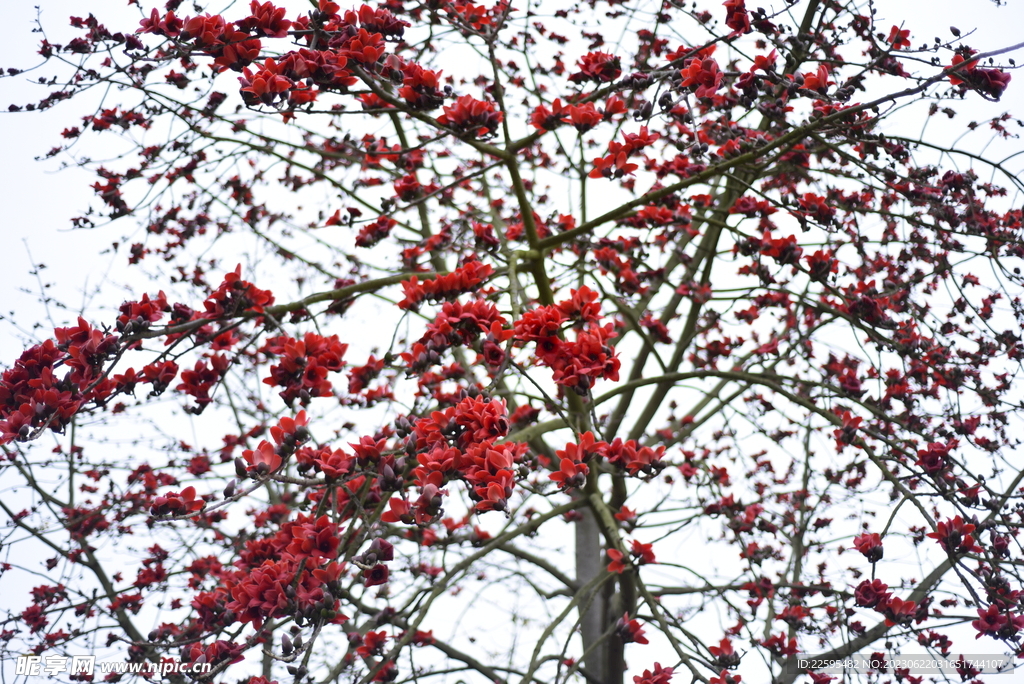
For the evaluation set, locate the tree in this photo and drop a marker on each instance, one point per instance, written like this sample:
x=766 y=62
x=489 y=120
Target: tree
x=673 y=291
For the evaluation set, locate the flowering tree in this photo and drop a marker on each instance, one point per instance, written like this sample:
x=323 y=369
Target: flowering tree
x=672 y=295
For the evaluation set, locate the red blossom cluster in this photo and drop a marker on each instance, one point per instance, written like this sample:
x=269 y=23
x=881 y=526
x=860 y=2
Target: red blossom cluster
x=461 y=442
x=991 y=82
x=303 y=365
x=463 y=279
x=577 y=363
x=616 y=164
x=471 y=117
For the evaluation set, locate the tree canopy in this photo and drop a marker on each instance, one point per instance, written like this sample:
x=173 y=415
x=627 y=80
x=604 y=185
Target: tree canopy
x=526 y=342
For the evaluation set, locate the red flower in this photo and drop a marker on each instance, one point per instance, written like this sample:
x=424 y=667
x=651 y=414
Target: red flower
x=168 y=25
x=583 y=117
x=313 y=538
x=266 y=20
x=291 y=431
x=618 y=565
x=420 y=87
x=990 y=81
x=398 y=511
x=630 y=631
x=570 y=475
x=794 y=615
x=765 y=63
x=725 y=677
x=817 y=80
x=364 y=47
x=736 y=16
x=821 y=265
x=377 y=20
x=899 y=38
x=471 y=117
x=897 y=611
x=934 y=459
x=641 y=554
x=600 y=67
x=725 y=655
x=376 y=575
x=235 y=295
x=871 y=593
x=962 y=75
x=954 y=535
x=463 y=279
x=174 y=503
x=265 y=86
x=263 y=460
x=702 y=76
x=372 y=644
x=545 y=119
x=615 y=165
x=870 y=544
x=780 y=646
x=997 y=624
x=374 y=232
x=660 y=675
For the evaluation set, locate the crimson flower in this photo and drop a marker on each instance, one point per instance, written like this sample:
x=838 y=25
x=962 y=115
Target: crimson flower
x=871 y=593
x=724 y=654
x=583 y=117
x=177 y=503
x=364 y=47
x=570 y=475
x=817 y=80
x=659 y=675
x=702 y=76
x=725 y=677
x=736 y=16
x=471 y=117
x=897 y=611
x=376 y=575
x=992 y=622
x=992 y=82
x=954 y=535
x=960 y=77
x=266 y=20
x=372 y=644
x=262 y=460
x=618 y=565
x=630 y=631
x=899 y=38
x=765 y=63
x=265 y=85
x=545 y=119
x=870 y=544
x=600 y=67
x=780 y=646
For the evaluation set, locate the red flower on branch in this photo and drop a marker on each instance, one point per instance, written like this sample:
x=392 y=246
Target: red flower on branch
x=471 y=118
x=702 y=76
x=869 y=544
x=898 y=38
